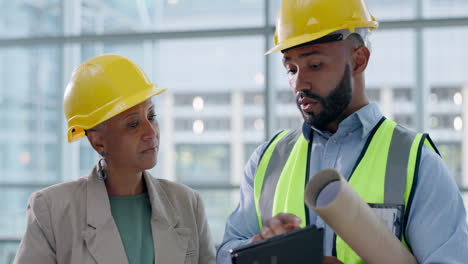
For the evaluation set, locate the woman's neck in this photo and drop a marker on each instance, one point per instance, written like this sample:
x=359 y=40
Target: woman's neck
x=122 y=182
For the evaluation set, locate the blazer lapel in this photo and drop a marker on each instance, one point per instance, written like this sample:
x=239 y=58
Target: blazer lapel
x=170 y=239
x=101 y=235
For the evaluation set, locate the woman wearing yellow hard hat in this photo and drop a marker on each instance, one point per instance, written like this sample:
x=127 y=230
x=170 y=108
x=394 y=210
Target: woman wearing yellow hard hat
x=119 y=213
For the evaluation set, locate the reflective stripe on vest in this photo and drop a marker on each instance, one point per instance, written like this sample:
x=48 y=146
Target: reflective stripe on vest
x=283 y=155
x=390 y=155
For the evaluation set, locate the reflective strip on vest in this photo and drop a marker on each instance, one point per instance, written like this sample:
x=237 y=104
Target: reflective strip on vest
x=390 y=156
x=277 y=162
x=260 y=174
x=397 y=165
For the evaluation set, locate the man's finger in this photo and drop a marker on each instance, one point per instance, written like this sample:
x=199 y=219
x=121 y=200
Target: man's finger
x=288 y=219
x=276 y=226
x=257 y=238
x=266 y=232
x=331 y=260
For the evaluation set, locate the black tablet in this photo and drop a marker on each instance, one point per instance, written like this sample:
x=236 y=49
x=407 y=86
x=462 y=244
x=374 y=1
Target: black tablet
x=302 y=246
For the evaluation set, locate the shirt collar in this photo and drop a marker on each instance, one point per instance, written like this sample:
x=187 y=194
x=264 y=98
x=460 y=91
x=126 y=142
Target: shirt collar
x=366 y=118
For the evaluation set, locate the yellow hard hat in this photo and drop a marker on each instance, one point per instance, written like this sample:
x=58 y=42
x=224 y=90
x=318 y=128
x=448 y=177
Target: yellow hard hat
x=302 y=21
x=101 y=88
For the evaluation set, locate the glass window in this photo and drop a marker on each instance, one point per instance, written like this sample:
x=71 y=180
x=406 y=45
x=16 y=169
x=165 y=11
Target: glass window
x=444 y=94
x=88 y=157
x=192 y=72
x=219 y=204
x=209 y=124
x=203 y=163
x=133 y=50
x=404 y=120
x=254 y=98
x=286 y=97
x=200 y=64
x=254 y=124
x=30 y=18
x=273 y=12
x=391 y=71
x=12 y=219
x=205 y=106
x=403 y=94
x=8 y=250
x=445 y=8
x=451 y=152
x=199 y=100
x=249 y=150
x=445 y=55
x=31 y=131
x=31 y=112
x=110 y=16
x=373 y=94
x=443 y=121
x=392 y=9
x=445 y=75
x=290 y=121
x=13 y=213
x=279 y=75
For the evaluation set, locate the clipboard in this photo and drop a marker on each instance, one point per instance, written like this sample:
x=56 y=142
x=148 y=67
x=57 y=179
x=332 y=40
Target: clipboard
x=301 y=246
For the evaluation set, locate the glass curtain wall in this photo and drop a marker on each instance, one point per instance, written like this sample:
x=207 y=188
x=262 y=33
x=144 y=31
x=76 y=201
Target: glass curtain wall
x=225 y=97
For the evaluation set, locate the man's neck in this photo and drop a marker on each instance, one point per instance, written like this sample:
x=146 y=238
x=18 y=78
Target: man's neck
x=333 y=126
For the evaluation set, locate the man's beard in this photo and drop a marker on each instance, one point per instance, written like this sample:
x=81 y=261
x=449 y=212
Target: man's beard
x=333 y=105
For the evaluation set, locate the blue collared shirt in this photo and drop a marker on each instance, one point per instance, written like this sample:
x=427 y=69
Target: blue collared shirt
x=436 y=230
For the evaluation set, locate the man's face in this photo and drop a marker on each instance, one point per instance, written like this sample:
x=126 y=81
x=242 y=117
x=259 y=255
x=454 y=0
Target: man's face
x=333 y=106
x=321 y=80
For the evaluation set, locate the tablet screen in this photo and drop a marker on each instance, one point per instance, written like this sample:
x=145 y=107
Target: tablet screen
x=299 y=246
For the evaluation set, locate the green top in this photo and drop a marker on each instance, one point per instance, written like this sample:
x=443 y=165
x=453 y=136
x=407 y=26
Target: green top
x=132 y=214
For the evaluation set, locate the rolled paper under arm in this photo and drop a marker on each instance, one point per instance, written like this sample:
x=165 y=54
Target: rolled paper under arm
x=335 y=201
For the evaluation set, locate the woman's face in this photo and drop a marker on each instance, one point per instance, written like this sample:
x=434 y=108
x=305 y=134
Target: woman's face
x=130 y=139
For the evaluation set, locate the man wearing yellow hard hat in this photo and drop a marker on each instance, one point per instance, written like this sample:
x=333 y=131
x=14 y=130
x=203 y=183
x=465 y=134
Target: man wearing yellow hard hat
x=119 y=213
x=325 y=54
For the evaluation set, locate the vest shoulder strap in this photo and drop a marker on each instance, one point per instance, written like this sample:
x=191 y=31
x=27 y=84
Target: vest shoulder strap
x=276 y=160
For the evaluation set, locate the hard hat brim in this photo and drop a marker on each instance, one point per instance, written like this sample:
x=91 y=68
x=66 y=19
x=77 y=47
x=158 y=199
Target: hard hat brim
x=298 y=40
x=76 y=131
x=292 y=42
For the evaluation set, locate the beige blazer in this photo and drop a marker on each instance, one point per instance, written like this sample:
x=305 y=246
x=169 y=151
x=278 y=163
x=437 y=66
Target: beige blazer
x=71 y=223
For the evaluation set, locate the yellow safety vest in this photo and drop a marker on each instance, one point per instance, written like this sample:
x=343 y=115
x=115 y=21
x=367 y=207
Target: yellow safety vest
x=384 y=173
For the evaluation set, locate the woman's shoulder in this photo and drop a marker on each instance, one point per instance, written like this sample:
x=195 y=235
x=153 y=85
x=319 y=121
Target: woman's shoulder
x=65 y=187
x=60 y=193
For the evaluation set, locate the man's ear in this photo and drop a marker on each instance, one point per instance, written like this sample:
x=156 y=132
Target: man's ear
x=96 y=139
x=360 y=59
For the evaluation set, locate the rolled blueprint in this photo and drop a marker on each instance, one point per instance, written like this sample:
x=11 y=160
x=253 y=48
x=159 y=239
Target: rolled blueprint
x=335 y=201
